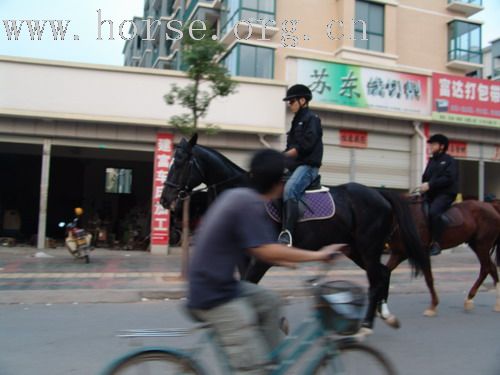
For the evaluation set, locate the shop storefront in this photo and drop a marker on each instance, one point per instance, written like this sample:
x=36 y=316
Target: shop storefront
x=91 y=143
x=468 y=110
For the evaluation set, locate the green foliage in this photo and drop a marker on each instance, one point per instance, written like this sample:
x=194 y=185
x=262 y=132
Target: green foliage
x=199 y=56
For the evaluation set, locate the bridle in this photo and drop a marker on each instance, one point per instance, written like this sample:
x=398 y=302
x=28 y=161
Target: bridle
x=184 y=191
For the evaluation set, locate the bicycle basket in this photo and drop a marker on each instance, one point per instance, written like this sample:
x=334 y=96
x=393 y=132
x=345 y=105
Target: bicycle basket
x=340 y=306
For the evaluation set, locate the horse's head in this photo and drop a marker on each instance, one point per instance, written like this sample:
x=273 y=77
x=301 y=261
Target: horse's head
x=184 y=174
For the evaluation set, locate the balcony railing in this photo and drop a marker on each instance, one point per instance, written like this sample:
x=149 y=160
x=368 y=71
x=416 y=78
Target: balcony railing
x=469 y=56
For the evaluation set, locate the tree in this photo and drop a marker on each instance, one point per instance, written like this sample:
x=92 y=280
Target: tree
x=199 y=54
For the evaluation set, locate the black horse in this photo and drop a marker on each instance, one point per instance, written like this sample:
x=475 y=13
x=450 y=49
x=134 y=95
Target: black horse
x=365 y=218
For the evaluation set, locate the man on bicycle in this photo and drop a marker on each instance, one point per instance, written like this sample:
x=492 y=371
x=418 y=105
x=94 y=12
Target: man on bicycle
x=244 y=316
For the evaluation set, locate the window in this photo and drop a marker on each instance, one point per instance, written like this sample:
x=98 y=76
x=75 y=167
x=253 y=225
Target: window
x=242 y=10
x=230 y=12
x=170 y=7
x=496 y=66
x=118 y=180
x=369 y=16
x=464 y=42
x=255 y=10
x=250 y=61
x=231 y=61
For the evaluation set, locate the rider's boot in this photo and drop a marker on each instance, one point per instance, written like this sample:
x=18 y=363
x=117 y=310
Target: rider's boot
x=437 y=230
x=289 y=218
x=435 y=249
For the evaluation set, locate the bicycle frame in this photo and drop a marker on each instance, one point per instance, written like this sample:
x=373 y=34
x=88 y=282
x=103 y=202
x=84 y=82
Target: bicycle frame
x=297 y=344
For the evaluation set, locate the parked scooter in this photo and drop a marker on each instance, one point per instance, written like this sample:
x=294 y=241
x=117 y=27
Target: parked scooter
x=78 y=240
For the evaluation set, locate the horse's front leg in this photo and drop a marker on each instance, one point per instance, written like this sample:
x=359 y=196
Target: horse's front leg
x=379 y=279
x=383 y=307
x=396 y=258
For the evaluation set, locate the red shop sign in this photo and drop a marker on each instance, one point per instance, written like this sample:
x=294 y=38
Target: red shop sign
x=465 y=96
x=353 y=138
x=160 y=217
x=457 y=149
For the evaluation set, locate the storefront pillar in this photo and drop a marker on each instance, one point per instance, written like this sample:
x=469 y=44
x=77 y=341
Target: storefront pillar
x=44 y=193
x=481 y=173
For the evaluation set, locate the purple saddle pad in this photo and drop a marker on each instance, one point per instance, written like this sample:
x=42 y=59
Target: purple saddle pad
x=317 y=205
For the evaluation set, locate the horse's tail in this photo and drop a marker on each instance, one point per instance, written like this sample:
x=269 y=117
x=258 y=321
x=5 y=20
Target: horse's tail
x=409 y=235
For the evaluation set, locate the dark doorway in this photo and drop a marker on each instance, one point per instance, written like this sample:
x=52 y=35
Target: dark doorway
x=20 y=170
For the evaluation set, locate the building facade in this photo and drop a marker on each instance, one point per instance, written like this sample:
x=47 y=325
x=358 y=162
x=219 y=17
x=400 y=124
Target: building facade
x=393 y=44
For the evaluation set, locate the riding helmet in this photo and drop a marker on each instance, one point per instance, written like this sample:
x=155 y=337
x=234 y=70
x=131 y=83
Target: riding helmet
x=441 y=139
x=298 y=91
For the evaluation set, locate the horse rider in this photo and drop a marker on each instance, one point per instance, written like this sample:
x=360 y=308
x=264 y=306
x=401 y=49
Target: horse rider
x=304 y=150
x=440 y=186
x=244 y=316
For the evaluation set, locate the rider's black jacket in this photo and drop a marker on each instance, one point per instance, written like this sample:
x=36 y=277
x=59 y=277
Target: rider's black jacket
x=442 y=175
x=305 y=136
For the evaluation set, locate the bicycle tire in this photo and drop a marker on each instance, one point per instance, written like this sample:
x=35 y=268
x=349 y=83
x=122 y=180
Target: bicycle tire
x=155 y=362
x=355 y=358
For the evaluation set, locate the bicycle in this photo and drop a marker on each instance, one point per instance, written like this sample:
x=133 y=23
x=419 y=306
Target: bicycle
x=338 y=309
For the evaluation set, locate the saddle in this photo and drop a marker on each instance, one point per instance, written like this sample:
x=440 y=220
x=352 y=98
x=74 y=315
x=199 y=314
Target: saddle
x=452 y=217
x=317 y=204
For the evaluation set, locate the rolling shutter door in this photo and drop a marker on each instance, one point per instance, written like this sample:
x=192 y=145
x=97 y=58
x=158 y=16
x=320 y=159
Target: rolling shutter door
x=385 y=161
x=383 y=168
x=335 y=168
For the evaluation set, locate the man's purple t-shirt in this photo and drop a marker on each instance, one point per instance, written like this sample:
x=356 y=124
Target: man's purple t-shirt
x=237 y=221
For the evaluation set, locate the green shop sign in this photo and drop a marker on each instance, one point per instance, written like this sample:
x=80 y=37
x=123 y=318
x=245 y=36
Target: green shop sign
x=355 y=86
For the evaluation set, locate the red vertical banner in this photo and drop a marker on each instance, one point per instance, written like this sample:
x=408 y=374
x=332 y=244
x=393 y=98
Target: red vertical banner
x=160 y=217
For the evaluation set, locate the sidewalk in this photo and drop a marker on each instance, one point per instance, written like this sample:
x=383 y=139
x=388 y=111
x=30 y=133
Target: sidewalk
x=54 y=276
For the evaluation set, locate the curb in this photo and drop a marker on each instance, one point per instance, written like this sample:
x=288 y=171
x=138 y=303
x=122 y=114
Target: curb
x=50 y=297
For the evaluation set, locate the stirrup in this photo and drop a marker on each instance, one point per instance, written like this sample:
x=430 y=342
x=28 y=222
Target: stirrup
x=285 y=238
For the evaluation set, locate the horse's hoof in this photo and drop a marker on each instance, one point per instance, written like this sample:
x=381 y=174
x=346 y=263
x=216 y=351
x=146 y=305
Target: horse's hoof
x=430 y=312
x=468 y=305
x=392 y=321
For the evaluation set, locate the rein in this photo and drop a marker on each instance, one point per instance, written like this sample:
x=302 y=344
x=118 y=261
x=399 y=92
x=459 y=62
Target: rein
x=185 y=191
x=213 y=186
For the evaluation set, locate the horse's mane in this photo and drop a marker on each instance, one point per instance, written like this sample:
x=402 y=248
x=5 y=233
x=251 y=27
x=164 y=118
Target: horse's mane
x=220 y=156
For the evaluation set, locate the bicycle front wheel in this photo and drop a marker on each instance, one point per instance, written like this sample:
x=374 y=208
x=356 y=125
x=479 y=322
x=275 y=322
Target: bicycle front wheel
x=354 y=358
x=155 y=362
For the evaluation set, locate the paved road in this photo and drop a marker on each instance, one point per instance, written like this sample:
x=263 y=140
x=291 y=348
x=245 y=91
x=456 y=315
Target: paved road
x=67 y=339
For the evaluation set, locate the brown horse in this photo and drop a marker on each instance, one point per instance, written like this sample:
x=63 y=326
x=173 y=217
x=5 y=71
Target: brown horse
x=473 y=222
